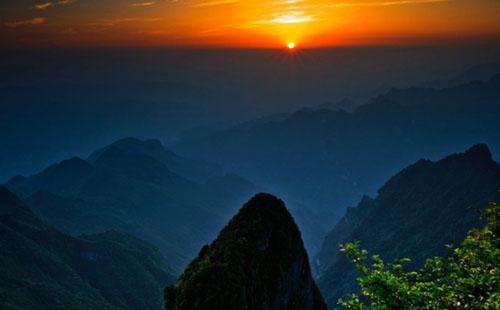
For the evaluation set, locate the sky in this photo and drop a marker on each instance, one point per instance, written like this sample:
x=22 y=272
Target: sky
x=240 y=23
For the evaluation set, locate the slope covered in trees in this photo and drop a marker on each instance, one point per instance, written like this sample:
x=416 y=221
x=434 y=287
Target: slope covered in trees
x=43 y=268
x=128 y=186
x=415 y=213
x=258 y=261
x=191 y=169
x=468 y=279
x=139 y=187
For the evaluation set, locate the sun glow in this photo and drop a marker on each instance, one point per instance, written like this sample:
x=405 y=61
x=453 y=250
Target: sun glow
x=291 y=45
x=260 y=23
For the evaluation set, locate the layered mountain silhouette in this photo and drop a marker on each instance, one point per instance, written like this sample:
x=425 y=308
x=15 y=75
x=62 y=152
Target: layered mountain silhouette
x=342 y=105
x=198 y=171
x=415 y=213
x=481 y=72
x=128 y=186
x=43 y=268
x=330 y=159
x=258 y=261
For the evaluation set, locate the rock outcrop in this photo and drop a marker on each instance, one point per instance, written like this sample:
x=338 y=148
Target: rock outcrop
x=415 y=213
x=258 y=261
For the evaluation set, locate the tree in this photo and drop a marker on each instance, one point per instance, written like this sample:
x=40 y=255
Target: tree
x=468 y=279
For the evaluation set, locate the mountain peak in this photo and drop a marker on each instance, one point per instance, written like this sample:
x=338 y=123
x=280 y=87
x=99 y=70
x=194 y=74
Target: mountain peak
x=71 y=163
x=55 y=178
x=262 y=207
x=152 y=144
x=420 y=208
x=258 y=261
x=479 y=151
x=74 y=165
x=131 y=146
x=10 y=204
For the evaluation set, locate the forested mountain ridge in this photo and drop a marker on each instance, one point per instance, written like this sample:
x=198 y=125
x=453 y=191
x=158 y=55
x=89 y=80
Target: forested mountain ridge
x=127 y=187
x=329 y=159
x=258 y=261
x=130 y=186
x=423 y=207
x=43 y=268
x=198 y=171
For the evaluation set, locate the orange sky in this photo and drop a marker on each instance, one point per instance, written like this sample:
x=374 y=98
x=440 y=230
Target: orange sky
x=238 y=23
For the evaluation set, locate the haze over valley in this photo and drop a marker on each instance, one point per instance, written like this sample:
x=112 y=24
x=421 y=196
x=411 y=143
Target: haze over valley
x=250 y=155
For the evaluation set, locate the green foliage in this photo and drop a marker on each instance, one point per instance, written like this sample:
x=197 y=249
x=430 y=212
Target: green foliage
x=42 y=268
x=257 y=262
x=137 y=187
x=469 y=279
x=418 y=210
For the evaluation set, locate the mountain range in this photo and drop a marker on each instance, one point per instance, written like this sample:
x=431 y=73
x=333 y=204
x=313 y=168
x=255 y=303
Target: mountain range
x=111 y=229
x=140 y=187
x=330 y=159
x=418 y=211
x=127 y=186
x=257 y=261
x=43 y=268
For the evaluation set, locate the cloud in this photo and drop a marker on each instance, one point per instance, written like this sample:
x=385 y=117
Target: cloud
x=214 y=3
x=34 y=21
x=143 y=4
x=159 y=32
x=288 y=18
x=382 y=3
x=307 y=5
x=113 y=22
x=43 y=6
x=101 y=24
x=135 y=19
x=287 y=2
x=304 y=11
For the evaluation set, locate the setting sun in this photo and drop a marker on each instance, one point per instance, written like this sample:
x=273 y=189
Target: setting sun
x=291 y=45
x=237 y=23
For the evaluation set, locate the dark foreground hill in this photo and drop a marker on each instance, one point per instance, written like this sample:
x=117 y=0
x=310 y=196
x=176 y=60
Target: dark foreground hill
x=44 y=269
x=415 y=213
x=258 y=261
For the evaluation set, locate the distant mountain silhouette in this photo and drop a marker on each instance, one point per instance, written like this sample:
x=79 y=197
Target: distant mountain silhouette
x=128 y=186
x=329 y=159
x=342 y=105
x=258 y=261
x=415 y=213
x=192 y=169
x=482 y=72
x=58 y=177
x=480 y=94
x=43 y=268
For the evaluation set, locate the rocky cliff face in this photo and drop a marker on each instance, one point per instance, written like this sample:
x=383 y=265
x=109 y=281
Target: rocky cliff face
x=258 y=261
x=415 y=213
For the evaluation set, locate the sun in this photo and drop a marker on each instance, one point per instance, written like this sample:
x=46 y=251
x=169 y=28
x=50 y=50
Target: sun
x=291 y=45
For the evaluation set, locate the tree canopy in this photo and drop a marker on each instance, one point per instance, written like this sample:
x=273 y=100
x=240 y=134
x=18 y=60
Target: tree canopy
x=468 y=279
